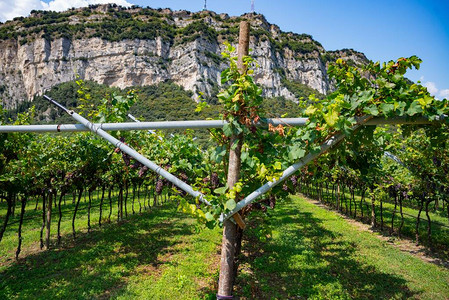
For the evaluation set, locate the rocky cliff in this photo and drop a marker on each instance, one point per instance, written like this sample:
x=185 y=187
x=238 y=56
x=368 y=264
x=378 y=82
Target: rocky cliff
x=133 y=47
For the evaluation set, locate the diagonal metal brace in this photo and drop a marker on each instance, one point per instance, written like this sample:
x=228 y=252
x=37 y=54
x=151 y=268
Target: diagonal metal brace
x=328 y=144
x=133 y=153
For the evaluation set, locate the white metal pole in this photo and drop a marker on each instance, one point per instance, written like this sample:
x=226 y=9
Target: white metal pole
x=138 y=121
x=149 y=131
x=133 y=153
x=195 y=124
x=331 y=142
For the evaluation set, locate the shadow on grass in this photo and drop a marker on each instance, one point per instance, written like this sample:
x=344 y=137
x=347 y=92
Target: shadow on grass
x=307 y=260
x=440 y=230
x=436 y=255
x=95 y=265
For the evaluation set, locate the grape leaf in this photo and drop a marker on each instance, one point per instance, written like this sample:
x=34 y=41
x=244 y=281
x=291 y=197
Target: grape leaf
x=230 y=204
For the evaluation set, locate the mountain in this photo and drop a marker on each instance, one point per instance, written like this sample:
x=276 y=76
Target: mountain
x=123 y=47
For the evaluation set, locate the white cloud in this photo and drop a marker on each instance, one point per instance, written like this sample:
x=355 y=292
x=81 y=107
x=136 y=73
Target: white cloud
x=444 y=94
x=436 y=92
x=10 y=9
x=431 y=87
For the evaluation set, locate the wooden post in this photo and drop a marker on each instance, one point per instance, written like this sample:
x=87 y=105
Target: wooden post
x=230 y=230
x=48 y=223
x=373 y=210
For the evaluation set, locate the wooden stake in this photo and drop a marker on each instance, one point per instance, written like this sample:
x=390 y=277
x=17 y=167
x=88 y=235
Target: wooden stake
x=228 y=247
x=48 y=223
x=239 y=220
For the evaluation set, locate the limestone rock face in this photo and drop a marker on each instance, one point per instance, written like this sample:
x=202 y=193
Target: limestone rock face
x=30 y=68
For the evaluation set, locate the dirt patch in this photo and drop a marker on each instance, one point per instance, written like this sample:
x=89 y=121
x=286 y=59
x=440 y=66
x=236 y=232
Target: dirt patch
x=404 y=244
x=149 y=269
x=108 y=294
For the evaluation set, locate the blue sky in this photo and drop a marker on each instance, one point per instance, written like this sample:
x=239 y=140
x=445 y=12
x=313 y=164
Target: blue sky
x=383 y=30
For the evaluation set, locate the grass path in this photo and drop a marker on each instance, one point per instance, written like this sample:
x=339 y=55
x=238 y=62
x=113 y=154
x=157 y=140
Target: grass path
x=155 y=255
x=405 y=244
x=439 y=219
x=316 y=254
x=159 y=254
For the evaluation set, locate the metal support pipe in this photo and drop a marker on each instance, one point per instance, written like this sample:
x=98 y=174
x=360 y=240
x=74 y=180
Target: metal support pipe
x=405 y=121
x=43 y=128
x=138 y=121
x=133 y=153
x=331 y=142
x=394 y=158
x=149 y=131
x=99 y=129
x=195 y=124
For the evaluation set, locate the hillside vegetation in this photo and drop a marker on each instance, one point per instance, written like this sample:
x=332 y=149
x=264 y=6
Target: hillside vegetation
x=116 y=23
x=162 y=102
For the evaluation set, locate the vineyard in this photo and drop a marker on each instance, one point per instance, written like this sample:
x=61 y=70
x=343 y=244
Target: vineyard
x=376 y=149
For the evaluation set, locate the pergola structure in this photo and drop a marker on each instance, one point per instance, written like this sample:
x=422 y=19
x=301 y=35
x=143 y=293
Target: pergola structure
x=101 y=128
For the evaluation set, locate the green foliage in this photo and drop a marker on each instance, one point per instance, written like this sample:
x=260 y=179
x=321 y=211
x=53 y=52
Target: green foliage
x=382 y=91
x=118 y=28
x=259 y=33
x=196 y=30
x=300 y=90
x=115 y=108
x=298 y=43
x=389 y=94
x=279 y=106
x=118 y=25
x=164 y=101
x=14 y=146
x=242 y=102
x=8 y=32
x=300 y=47
x=242 y=99
x=71 y=95
x=327 y=58
x=168 y=101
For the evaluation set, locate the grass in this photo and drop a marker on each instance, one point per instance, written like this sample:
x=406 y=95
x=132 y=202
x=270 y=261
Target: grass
x=33 y=222
x=439 y=219
x=141 y=256
x=316 y=254
x=160 y=254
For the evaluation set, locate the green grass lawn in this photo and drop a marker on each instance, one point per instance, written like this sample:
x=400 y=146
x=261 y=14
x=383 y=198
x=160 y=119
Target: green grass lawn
x=316 y=254
x=33 y=221
x=439 y=219
x=161 y=254
x=156 y=255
